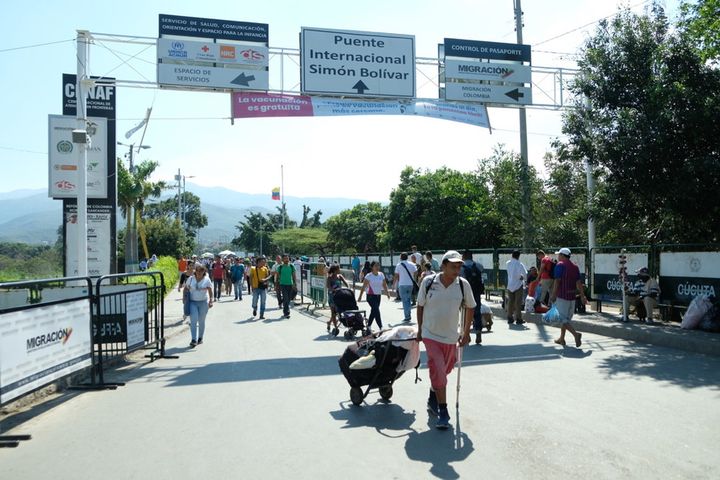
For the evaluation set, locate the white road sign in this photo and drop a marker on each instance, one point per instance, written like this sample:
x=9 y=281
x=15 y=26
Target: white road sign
x=191 y=51
x=476 y=92
x=361 y=64
x=212 y=77
x=501 y=72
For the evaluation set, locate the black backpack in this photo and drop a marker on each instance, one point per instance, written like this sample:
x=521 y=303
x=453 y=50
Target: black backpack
x=554 y=263
x=474 y=277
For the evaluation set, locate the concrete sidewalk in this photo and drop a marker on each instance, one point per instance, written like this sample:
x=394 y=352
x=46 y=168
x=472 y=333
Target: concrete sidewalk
x=663 y=334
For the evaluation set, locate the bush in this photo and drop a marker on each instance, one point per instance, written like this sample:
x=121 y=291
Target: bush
x=169 y=268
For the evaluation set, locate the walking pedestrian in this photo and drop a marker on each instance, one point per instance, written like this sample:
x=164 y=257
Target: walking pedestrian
x=276 y=285
x=472 y=272
x=434 y=263
x=516 y=274
x=355 y=264
x=566 y=286
x=404 y=273
x=237 y=274
x=374 y=285
x=285 y=279
x=228 y=264
x=248 y=265
x=442 y=299
x=334 y=281
x=259 y=277
x=218 y=275
x=365 y=270
x=200 y=290
x=546 y=281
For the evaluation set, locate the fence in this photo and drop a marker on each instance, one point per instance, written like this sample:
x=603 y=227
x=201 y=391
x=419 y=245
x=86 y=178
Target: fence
x=53 y=328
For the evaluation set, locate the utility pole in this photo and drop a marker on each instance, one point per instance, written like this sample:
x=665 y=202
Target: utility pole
x=178 y=177
x=81 y=138
x=525 y=204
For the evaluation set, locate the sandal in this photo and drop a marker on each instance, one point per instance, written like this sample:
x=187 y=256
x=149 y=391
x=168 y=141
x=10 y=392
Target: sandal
x=560 y=342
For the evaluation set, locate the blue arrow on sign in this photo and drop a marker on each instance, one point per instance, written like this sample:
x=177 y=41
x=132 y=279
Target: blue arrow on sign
x=243 y=80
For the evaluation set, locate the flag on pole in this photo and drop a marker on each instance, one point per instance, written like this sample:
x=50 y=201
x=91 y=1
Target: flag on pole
x=276 y=193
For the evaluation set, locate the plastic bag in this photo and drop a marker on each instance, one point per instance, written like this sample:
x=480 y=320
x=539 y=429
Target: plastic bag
x=695 y=312
x=552 y=317
x=485 y=309
x=529 y=305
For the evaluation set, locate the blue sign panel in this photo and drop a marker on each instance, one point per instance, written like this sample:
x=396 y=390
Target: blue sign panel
x=211 y=28
x=487 y=50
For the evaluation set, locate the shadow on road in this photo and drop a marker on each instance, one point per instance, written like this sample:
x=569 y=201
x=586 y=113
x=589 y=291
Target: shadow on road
x=381 y=416
x=440 y=449
x=665 y=364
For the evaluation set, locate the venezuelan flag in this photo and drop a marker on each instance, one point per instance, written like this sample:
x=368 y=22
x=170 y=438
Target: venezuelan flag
x=276 y=193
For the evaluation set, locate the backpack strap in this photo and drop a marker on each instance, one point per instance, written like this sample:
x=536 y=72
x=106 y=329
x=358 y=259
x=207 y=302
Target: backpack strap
x=427 y=283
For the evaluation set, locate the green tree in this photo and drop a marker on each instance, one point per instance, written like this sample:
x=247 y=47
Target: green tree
x=135 y=188
x=358 y=229
x=166 y=237
x=439 y=210
x=255 y=231
x=646 y=118
x=310 y=221
x=502 y=174
x=194 y=218
x=700 y=21
x=296 y=241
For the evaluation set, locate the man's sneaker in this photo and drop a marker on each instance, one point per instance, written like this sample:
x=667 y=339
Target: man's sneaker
x=193 y=343
x=262 y=317
x=432 y=405
x=254 y=311
x=199 y=341
x=519 y=322
x=443 y=422
x=478 y=340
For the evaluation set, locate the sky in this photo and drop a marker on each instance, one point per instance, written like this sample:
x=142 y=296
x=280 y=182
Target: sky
x=351 y=157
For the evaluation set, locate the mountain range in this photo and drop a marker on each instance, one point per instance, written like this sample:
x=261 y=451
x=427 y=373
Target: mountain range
x=29 y=216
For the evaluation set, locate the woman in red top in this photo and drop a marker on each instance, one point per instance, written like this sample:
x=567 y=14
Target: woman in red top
x=218 y=274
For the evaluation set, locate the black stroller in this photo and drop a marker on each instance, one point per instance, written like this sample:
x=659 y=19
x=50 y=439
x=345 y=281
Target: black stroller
x=348 y=314
x=381 y=376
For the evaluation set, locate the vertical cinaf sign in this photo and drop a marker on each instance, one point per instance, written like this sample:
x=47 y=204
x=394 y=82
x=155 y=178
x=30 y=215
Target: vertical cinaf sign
x=102 y=217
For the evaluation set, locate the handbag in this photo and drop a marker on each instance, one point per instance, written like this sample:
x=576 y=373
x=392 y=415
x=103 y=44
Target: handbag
x=416 y=287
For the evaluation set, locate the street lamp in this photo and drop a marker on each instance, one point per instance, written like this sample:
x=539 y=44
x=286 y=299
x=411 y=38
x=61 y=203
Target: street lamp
x=181 y=196
x=131 y=243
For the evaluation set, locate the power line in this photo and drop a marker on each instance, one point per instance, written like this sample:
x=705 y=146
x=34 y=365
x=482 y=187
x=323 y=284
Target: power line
x=35 y=45
x=13 y=149
x=588 y=24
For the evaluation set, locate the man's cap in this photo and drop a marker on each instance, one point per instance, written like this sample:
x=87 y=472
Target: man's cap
x=452 y=256
x=564 y=251
x=643 y=271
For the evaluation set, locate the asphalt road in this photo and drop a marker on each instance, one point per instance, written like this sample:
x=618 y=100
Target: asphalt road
x=265 y=399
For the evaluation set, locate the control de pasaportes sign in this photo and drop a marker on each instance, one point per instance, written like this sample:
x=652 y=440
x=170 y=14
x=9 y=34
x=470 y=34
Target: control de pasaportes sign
x=365 y=64
x=255 y=104
x=42 y=344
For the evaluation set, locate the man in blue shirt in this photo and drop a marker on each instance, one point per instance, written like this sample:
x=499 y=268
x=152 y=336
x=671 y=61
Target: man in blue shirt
x=237 y=274
x=355 y=263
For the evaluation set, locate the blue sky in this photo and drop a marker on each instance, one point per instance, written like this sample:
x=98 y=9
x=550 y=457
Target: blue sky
x=356 y=157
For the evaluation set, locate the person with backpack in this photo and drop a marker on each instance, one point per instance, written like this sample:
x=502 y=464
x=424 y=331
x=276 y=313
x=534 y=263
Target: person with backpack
x=285 y=280
x=442 y=299
x=473 y=272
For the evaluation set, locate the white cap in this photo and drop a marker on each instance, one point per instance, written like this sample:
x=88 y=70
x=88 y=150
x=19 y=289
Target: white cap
x=452 y=256
x=564 y=251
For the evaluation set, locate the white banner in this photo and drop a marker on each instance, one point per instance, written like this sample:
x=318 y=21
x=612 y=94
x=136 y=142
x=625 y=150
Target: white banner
x=527 y=259
x=39 y=345
x=135 y=304
x=608 y=263
x=63 y=157
x=98 y=240
x=690 y=264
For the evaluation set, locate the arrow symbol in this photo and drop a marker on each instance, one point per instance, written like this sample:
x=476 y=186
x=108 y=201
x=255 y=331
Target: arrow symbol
x=243 y=80
x=360 y=87
x=515 y=94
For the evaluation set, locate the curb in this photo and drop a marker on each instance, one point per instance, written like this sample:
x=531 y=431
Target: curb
x=660 y=334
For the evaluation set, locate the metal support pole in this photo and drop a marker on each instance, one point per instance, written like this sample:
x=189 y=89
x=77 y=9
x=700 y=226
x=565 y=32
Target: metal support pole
x=525 y=205
x=83 y=38
x=179 y=187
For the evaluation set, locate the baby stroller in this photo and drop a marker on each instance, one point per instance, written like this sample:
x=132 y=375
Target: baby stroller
x=384 y=356
x=348 y=314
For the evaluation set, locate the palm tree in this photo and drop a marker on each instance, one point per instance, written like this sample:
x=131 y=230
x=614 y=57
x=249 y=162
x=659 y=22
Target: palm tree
x=134 y=188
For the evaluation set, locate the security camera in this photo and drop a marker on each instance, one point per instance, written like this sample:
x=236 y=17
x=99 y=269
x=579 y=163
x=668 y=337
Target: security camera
x=80 y=136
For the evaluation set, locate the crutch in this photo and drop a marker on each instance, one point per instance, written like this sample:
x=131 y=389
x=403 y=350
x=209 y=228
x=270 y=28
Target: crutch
x=459 y=365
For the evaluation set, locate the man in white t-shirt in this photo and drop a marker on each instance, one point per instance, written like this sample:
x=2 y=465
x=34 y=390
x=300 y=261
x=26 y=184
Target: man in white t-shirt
x=441 y=301
x=404 y=273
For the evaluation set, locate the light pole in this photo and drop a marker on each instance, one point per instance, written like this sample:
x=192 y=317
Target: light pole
x=182 y=204
x=131 y=243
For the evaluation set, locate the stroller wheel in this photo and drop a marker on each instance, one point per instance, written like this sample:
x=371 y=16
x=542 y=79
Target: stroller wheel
x=335 y=332
x=356 y=395
x=386 y=392
x=349 y=334
x=489 y=325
